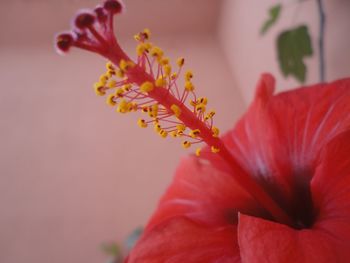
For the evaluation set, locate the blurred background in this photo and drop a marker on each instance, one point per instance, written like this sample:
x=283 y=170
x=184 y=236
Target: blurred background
x=75 y=174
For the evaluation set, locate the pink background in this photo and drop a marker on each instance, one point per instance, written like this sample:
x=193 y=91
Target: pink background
x=74 y=173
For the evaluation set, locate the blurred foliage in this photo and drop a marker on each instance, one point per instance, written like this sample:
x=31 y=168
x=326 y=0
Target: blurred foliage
x=274 y=13
x=115 y=251
x=133 y=237
x=293 y=46
x=112 y=249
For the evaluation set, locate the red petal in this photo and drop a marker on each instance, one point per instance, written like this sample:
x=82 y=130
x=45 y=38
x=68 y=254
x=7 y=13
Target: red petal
x=204 y=194
x=331 y=193
x=180 y=240
x=329 y=238
x=248 y=140
x=281 y=136
x=306 y=119
x=262 y=241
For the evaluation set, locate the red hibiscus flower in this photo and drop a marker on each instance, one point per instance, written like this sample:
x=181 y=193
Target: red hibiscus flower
x=274 y=189
x=296 y=145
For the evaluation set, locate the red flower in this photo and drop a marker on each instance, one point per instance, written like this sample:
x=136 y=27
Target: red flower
x=278 y=187
x=296 y=145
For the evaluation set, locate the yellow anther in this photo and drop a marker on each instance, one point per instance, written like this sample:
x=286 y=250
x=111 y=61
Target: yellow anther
x=157 y=52
x=176 y=109
x=202 y=100
x=215 y=149
x=209 y=115
x=148 y=46
x=193 y=103
x=173 y=76
x=123 y=106
x=112 y=84
x=164 y=61
x=110 y=100
x=137 y=37
x=186 y=144
x=157 y=127
x=142 y=123
x=145 y=109
x=180 y=127
x=167 y=70
x=133 y=106
x=146 y=86
x=153 y=111
x=108 y=74
x=160 y=82
x=180 y=133
x=215 y=131
x=119 y=93
x=174 y=134
x=104 y=78
x=146 y=33
x=111 y=73
x=195 y=133
x=154 y=107
x=180 y=62
x=140 y=49
x=200 y=107
x=198 y=151
x=110 y=66
x=126 y=65
x=127 y=87
x=188 y=75
x=123 y=65
x=163 y=133
x=119 y=73
x=98 y=88
x=189 y=86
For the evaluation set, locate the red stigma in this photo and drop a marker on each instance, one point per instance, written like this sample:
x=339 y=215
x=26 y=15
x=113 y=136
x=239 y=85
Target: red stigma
x=113 y=6
x=84 y=20
x=64 y=42
x=100 y=14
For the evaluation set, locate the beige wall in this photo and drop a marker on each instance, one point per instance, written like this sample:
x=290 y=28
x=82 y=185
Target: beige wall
x=249 y=54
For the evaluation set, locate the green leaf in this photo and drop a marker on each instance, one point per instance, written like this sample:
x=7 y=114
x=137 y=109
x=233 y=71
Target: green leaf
x=112 y=249
x=274 y=13
x=133 y=237
x=293 y=46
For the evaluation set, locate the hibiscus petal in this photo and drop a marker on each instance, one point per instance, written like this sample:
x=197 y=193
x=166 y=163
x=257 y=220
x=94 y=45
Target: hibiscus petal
x=290 y=127
x=263 y=241
x=247 y=141
x=331 y=193
x=280 y=137
x=204 y=194
x=329 y=238
x=306 y=119
x=181 y=240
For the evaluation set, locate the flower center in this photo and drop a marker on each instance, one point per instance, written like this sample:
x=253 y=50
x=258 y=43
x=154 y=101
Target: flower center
x=299 y=206
x=302 y=208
